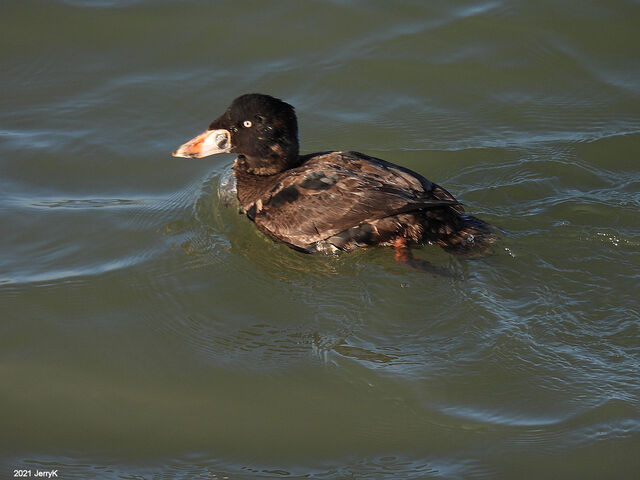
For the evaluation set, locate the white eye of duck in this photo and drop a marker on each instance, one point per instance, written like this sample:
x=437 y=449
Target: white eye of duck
x=247 y=123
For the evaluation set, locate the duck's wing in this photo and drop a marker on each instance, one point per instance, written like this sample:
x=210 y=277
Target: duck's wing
x=332 y=192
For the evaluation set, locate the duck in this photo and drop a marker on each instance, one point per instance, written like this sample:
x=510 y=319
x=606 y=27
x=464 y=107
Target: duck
x=332 y=201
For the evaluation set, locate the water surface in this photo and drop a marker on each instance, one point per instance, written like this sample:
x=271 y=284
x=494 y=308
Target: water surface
x=149 y=332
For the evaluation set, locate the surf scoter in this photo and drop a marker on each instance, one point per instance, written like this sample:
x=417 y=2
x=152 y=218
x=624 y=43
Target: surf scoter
x=331 y=200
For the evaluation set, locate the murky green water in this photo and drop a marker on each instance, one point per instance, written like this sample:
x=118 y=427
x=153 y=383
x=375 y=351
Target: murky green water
x=148 y=332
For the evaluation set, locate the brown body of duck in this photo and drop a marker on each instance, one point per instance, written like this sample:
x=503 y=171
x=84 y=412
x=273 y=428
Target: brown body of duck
x=331 y=200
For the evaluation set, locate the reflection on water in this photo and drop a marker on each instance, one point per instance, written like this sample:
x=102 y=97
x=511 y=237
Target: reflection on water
x=150 y=331
x=85 y=203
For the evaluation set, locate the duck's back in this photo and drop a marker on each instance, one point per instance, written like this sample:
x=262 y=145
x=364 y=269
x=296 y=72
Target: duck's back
x=347 y=199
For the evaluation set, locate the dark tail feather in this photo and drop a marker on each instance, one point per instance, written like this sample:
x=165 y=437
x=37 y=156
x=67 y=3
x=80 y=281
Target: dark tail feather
x=471 y=238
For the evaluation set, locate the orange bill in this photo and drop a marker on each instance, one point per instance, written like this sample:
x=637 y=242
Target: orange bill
x=205 y=144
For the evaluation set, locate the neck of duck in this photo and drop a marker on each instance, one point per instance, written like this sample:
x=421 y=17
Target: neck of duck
x=256 y=177
x=261 y=166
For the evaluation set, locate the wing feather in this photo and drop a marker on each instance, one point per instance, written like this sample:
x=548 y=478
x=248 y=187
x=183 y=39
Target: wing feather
x=332 y=192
